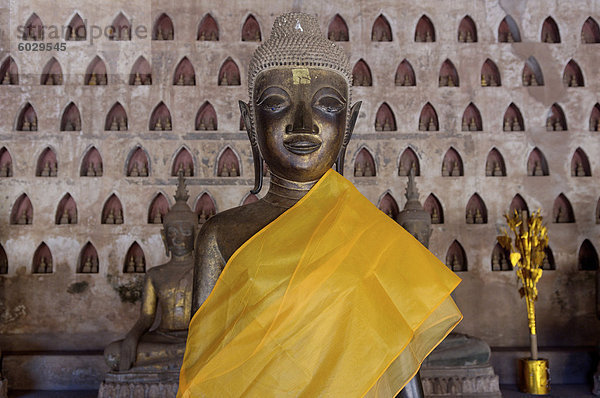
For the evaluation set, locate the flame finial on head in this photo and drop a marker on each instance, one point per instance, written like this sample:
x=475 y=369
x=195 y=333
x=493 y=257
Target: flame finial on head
x=180 y=211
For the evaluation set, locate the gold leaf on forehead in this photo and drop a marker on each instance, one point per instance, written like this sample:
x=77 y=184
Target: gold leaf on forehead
x=301 y=76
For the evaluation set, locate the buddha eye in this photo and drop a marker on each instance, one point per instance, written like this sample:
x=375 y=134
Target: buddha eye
x=274 y=103
x=329 y=104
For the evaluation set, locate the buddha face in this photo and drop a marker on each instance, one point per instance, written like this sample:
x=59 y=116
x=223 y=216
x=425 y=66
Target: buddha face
x=300 y=119
x=179 y=237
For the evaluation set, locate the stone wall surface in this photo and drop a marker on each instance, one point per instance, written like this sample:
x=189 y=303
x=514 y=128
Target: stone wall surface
x=67 y=310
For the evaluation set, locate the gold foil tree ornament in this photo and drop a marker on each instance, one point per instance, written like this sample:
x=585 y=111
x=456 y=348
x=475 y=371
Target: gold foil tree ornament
x=527 y=255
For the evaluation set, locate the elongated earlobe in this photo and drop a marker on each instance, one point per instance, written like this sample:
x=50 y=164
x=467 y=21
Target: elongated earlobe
x=164 y=239
x=258 y=161
x=339 y=163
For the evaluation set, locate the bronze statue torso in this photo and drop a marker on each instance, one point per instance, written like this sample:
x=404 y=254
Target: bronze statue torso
x=225 y=232
x=173 y=286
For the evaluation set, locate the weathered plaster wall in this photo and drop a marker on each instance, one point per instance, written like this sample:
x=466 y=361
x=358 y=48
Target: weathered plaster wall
x=49 y=312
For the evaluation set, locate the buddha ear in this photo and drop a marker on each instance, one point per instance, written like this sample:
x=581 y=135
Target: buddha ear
x=164 y=239
x=339 y=164
x=258 y=161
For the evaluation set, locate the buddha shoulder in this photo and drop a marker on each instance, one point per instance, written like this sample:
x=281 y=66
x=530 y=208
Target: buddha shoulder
x=229 y=229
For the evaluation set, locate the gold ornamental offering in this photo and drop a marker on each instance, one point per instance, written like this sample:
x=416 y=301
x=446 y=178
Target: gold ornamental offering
x=526 y=256
x=534 y=376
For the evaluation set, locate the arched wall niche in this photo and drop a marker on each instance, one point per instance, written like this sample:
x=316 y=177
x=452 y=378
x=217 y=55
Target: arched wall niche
x=251 y=29
x=52 y=73
x=163 y=28
x=364 y=164
x=388 y=205
x=508 y=31
x=452 y=165
x=120 y=28
x=456 y=258
x=338 y=30
x=424 y=31
x=22 y=211
x=208 y=30
x=409 y=161
x=382 y=31
x=42 y=260
x=76 y=30
x=135 y=260
x=9 y=72
x=66 y=211
x=467 y=31
x=228 y=164
x=434 y=207
x=88 y=260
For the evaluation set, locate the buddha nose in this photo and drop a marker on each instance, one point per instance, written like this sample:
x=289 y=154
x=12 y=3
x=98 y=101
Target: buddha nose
x=303 y=121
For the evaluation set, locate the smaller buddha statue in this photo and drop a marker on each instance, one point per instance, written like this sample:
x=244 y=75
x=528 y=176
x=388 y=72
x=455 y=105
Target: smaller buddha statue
x=46 y=170
x=414 y=218
x=472 y=125
x=455 y=169
x=538 y=170
x=224 y=81
x=87 y=266
x=497 y=170
x=478 y=217
x=469 y=217
x=516 y=126
x=431 y=126
x=90 y=170
x=134 y=172
x=110 y=218
x=64 y=219
x=489 y=169
x=119 y=217
x=93 y=80
x=168 y=291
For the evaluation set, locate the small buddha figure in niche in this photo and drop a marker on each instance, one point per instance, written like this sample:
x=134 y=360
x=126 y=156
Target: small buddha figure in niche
x=299 y=120
x=110 y=218
x=64 y=218
x=168 y=291
x=134 y=171
x=6 y=170
x=537 y=169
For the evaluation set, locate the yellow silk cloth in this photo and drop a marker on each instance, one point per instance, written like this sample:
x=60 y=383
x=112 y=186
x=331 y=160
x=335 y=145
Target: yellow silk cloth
x=332 y=299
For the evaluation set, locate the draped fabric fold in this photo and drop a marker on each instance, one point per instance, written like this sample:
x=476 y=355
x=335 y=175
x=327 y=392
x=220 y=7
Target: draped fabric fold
x=331 y=299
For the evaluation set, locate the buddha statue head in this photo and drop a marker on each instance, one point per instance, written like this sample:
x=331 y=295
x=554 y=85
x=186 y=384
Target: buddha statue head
x=299 y=118
x=180 y=224
x=415 y=219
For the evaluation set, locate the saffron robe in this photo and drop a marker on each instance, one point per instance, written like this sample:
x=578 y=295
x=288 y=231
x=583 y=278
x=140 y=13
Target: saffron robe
x=331 y=299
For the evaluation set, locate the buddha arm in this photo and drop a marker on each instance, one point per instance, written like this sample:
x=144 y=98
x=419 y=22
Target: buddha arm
x=208 y=264
x=147 y=312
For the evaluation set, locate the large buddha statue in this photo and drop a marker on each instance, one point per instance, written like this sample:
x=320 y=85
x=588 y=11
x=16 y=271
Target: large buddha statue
x=311 y=290
x=166 y=301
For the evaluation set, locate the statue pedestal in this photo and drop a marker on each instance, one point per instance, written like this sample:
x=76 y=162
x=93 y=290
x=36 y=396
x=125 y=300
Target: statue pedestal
x=475 y=381
x=460 y=367
x=140 y=384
